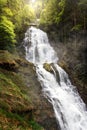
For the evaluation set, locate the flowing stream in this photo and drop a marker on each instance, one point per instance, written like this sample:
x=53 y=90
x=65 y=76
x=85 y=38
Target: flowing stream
x=69 y=109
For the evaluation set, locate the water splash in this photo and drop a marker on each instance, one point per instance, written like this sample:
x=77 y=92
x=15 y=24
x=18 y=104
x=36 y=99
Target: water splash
x=70 y=111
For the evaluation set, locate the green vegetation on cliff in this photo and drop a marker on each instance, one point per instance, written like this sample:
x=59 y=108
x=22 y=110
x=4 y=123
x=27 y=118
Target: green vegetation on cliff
x=16 y=107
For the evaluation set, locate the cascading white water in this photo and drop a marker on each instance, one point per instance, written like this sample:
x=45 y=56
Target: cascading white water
x=70 y=111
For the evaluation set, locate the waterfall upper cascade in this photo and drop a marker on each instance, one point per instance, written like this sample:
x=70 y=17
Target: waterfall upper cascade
x=70 y=111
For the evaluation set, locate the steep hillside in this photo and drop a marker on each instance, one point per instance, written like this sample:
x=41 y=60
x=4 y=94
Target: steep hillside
x=22 y=104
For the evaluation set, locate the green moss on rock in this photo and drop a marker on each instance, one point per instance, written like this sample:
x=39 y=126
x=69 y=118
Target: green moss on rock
x=48 y=67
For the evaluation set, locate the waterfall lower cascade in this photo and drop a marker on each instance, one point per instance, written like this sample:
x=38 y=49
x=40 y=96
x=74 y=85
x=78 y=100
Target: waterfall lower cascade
x=69 y=109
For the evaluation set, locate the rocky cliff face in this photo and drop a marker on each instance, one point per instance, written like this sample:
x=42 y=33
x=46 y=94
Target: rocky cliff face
x=23 y=105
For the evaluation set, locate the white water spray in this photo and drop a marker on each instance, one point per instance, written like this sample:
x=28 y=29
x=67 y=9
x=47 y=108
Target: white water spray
x=70 y=111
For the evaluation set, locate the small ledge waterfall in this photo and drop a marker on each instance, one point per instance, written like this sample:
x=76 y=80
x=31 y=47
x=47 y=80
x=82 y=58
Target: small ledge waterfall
x=69 y=109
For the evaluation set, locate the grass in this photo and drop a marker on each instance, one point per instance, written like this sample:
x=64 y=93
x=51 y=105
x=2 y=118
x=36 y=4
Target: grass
x=35 y=126
x=14 y=121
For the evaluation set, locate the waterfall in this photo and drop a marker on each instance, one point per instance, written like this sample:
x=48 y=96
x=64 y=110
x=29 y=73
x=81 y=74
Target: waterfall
x=69 y=109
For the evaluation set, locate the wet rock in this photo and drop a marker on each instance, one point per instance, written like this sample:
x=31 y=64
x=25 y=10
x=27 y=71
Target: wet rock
x=48 y=67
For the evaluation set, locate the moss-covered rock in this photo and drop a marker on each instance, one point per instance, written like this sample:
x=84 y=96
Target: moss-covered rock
x=48 y=67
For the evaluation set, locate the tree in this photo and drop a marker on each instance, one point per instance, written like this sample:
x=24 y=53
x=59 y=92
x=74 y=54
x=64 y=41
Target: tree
x=83 y=13
x=15 y=16
x=51 y=13
x=7 y=35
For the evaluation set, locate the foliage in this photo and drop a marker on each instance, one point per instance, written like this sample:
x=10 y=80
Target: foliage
x=7 y=12
x=35 y=126
x=76 y=28
x=15 y=17
x=2 y=3
x=29 y=17
x=65 y=15
x=83 y=15
x=50 y=14
x=7 y=38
